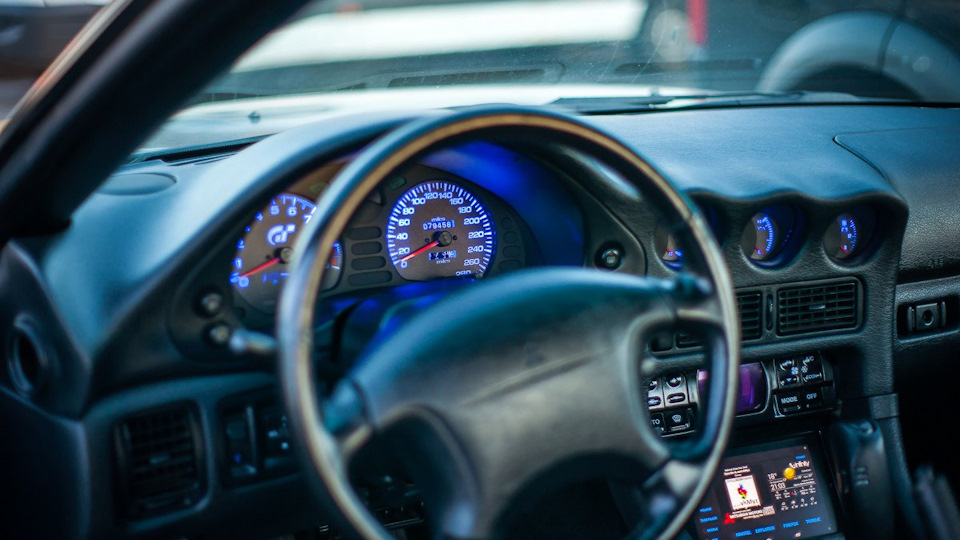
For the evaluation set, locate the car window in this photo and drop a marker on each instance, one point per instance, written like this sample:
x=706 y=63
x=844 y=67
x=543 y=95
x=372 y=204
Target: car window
x=32 y=34
x=347 y=56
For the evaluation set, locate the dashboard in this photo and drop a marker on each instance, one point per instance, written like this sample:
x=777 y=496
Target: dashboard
x=825 y=227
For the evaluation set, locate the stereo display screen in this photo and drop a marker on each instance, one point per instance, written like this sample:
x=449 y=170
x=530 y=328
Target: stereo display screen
x=774 y=493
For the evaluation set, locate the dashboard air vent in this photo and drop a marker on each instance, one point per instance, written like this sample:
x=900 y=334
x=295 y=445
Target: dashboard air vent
x=159 y=460
x=685 y=340
x=814 y=308
x=750 y=306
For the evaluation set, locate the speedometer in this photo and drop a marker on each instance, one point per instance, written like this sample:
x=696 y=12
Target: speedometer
x=439 y=229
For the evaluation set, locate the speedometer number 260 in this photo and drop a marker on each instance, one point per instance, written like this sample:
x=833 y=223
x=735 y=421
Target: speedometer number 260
x=438 y=229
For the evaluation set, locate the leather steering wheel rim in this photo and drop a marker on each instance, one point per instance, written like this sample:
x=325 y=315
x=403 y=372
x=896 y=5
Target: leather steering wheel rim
x=313 y=421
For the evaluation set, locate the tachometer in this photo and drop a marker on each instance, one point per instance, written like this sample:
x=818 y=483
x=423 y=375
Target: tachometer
x=438 y=229
x=260 y=263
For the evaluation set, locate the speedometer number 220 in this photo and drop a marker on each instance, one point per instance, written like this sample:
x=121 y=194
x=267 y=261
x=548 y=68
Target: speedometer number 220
x=438 y=229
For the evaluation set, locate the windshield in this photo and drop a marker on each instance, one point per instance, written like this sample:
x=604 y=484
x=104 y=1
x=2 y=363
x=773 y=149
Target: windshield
x=593 y=56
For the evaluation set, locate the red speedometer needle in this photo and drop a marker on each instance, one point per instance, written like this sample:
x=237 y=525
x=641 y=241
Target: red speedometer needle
x=433 y=244
x=258 y=268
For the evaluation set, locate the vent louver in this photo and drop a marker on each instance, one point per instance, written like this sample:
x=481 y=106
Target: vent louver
x=685 y=340
x=814 y=308
x=159 y=460
x=750 y=306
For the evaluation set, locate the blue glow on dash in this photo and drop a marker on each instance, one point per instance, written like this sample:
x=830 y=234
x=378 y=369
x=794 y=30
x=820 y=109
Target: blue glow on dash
x=708 y=519
x=713 y=529
x=801 y=456
x=813 y=520
x=706 y=509
x=789 y=524
x=762 y=530
x=743 y=533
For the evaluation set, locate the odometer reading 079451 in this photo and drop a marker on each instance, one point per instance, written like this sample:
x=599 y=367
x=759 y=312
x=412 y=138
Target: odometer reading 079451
x=438 y=229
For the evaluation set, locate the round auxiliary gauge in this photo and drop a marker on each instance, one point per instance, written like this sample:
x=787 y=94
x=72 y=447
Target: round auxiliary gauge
x=667 y=247
x=439 y=229
x=260 y=264
x=761 y=239
x=848 y=234
x=841 y=240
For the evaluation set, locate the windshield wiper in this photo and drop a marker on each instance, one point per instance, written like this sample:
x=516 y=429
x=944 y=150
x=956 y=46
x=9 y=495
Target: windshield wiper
x=630 y=104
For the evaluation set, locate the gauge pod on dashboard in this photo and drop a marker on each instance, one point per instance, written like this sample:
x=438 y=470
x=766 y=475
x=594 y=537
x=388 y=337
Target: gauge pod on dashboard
x=766 y=238
x=849 y=233
x=670 y=250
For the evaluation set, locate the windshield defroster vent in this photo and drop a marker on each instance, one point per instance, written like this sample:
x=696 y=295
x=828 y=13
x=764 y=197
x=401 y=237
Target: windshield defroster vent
x=815 y=308
x=512 y=76
x=159 y=458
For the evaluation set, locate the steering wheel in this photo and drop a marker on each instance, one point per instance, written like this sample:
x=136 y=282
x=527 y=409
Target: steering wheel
x=514 y=385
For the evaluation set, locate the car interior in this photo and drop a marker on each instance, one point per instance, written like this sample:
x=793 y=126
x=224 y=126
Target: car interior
x=439 y=310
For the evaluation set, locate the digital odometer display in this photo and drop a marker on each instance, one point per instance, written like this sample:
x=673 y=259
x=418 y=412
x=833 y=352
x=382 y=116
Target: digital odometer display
x=776 y=493
x=439 y=229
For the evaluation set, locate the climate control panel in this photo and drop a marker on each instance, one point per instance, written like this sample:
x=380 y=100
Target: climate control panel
x=768 y=389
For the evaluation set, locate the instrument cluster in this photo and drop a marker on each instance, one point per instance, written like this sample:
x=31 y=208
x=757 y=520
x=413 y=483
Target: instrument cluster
x=423 y=224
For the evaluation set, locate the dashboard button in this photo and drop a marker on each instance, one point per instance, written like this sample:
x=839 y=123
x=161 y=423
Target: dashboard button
x=656 y=422
x=676 y=398
x=675 y=381
x=811 y=368
x=812 y=398
x=678 y=420
x=789 y=380
x=219 y=334
x=210 y=304
x=654 y=401
x=787 y=364
x=239 y=446
x=789 y=402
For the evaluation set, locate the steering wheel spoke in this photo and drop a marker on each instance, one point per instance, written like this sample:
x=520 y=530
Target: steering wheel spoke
x=344 y=417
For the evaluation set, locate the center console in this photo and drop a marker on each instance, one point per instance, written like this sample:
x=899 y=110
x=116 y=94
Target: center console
x=794 y=468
